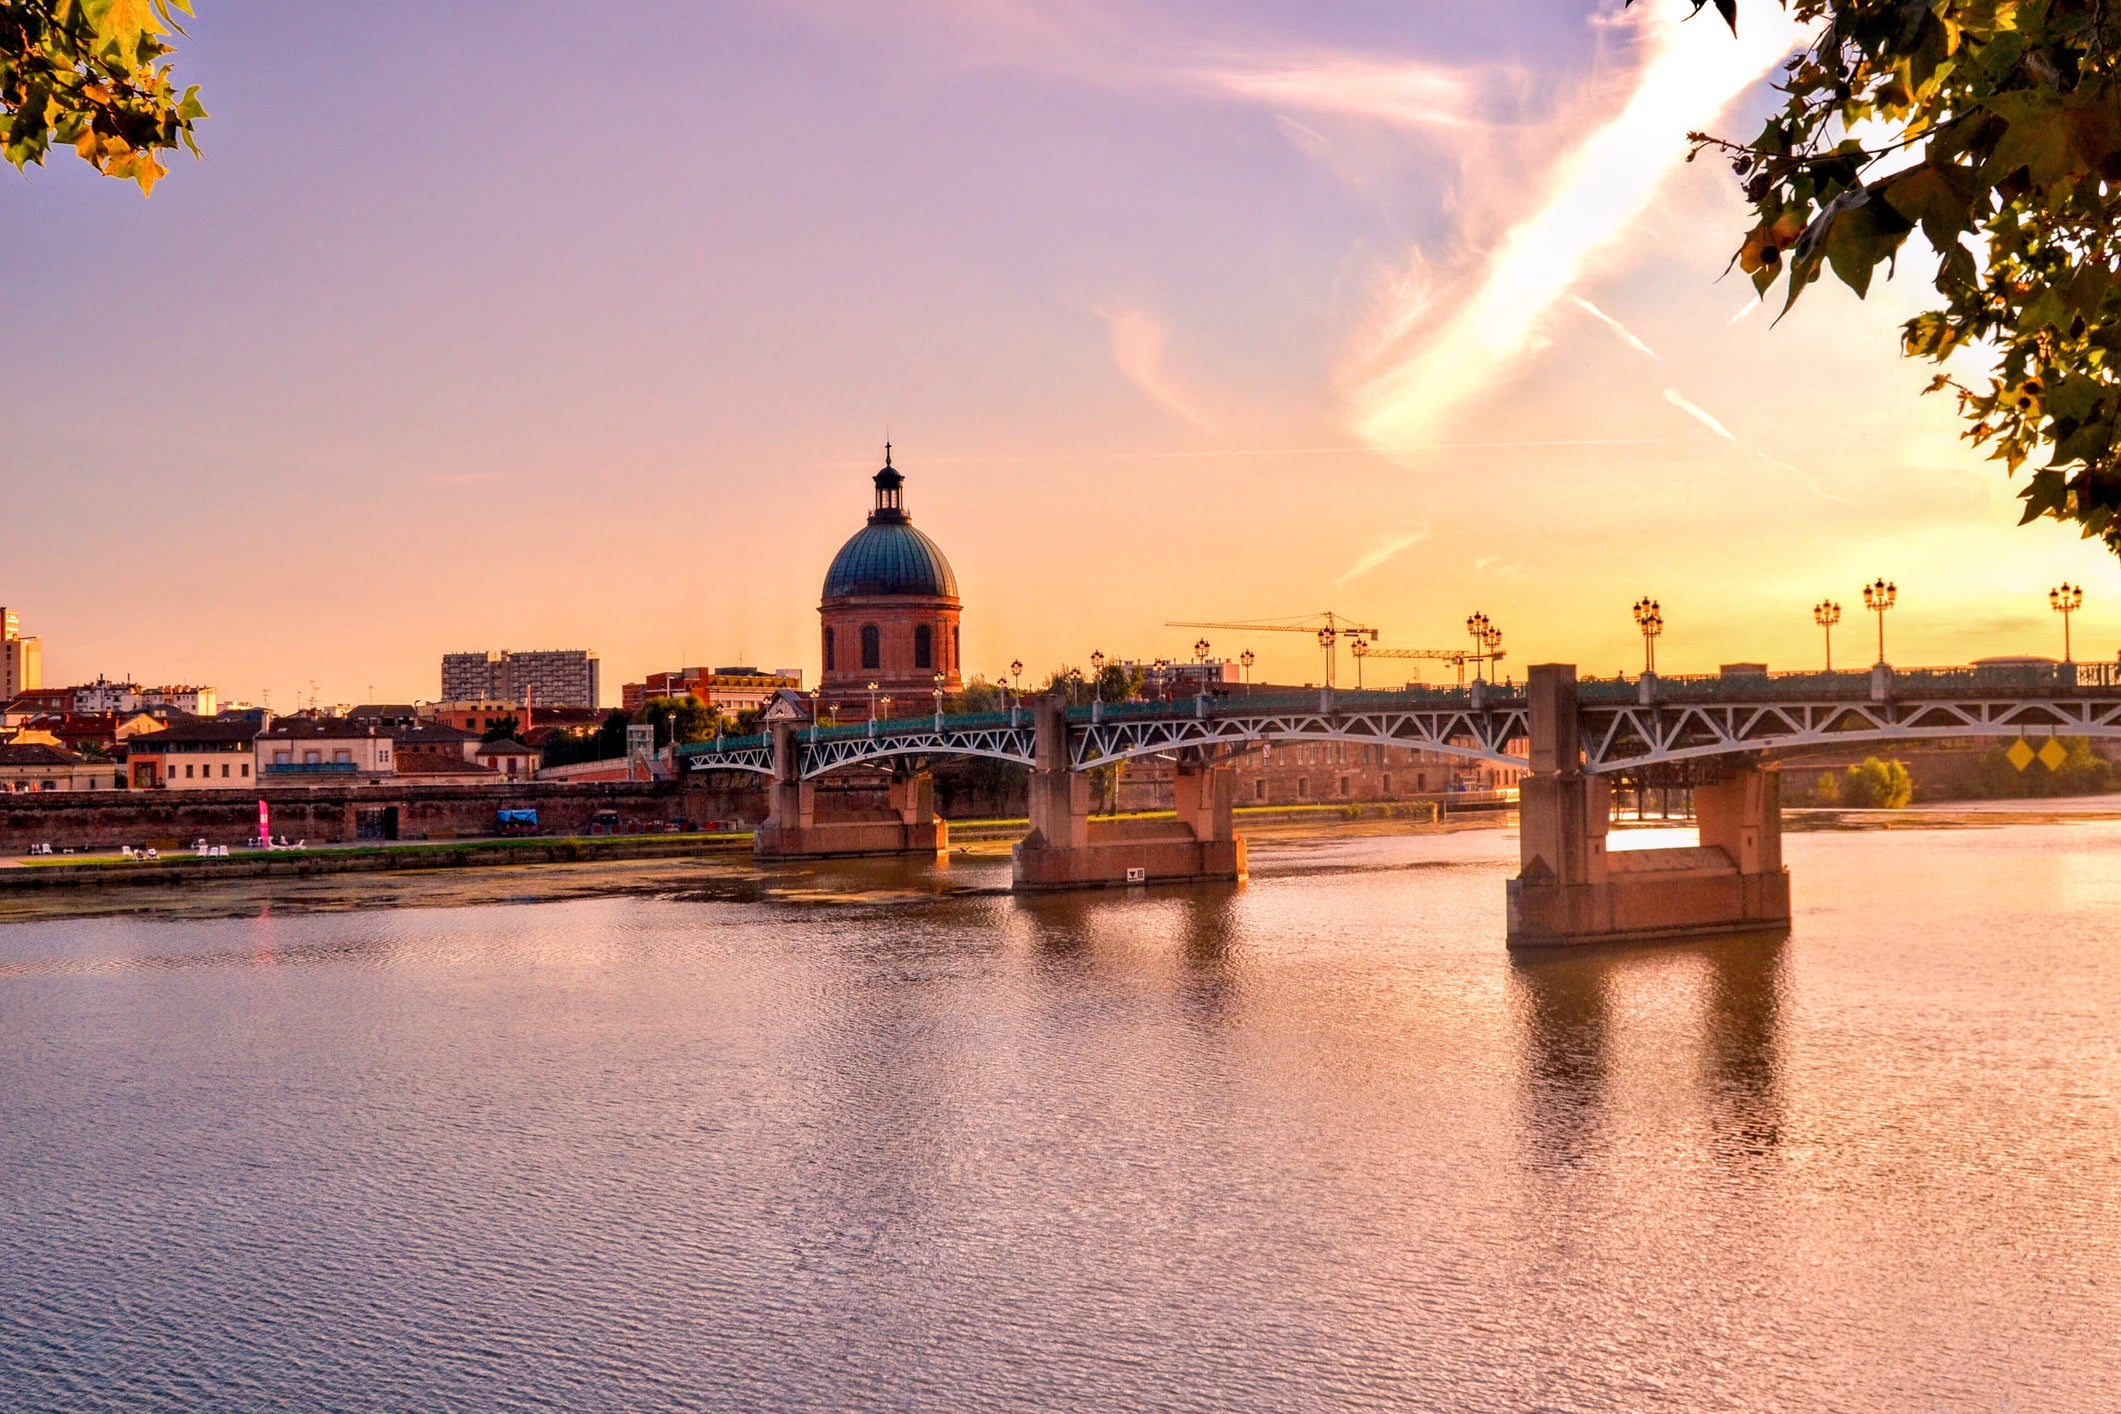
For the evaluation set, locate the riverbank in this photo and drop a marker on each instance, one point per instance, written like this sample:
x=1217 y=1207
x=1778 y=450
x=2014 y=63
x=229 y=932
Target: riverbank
x=177 y=869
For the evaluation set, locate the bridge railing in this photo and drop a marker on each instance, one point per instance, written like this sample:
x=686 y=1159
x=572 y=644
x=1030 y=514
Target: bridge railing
x=2012 y=679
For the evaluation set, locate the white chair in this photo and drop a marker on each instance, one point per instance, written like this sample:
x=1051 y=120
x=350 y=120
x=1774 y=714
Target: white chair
x=126 y=850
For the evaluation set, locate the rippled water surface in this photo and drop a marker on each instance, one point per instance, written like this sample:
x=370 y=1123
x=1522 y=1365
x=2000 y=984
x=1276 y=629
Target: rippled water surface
x=849 y=1142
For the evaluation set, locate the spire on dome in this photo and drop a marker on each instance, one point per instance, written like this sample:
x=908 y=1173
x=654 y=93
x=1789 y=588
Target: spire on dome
x=890 y=494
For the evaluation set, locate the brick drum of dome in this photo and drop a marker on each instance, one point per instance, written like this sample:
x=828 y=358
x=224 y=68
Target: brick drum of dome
x=890 y=611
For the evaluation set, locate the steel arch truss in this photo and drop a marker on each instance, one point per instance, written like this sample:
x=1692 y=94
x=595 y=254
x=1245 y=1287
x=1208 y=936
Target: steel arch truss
x=1620 y=738
x=1000 y=743
x=1449 y=731
x=756 y=759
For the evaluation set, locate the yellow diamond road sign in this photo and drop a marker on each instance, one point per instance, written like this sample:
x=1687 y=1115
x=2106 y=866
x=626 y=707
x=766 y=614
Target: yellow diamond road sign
x=2020 y=755
x=2052 y=755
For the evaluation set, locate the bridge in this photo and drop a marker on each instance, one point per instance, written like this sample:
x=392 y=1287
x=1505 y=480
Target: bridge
x=1572 y=736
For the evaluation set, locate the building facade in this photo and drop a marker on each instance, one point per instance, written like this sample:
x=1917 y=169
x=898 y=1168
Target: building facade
x=560 y=677
x=34 y=766
x=21 y=659
x=207 y=754
x=890 y=612
x=733 y=690
x=323 y=751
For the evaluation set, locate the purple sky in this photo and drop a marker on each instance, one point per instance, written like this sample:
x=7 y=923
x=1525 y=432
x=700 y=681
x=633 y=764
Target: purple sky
x=552 y=326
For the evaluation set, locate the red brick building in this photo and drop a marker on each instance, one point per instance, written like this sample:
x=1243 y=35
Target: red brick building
x=890 y=611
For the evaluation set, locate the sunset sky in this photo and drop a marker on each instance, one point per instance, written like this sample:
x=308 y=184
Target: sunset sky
x=541 y=325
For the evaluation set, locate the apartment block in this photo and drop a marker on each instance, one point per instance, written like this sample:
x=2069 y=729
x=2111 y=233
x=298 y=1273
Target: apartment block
x=555 y=677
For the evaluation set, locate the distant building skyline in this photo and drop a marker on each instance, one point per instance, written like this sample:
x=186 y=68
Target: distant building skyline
x=551 y=677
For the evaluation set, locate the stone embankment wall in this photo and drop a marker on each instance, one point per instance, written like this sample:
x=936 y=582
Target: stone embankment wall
x=72 y=819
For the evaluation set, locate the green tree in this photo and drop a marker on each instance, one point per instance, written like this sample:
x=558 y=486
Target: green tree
x=2081 y=772
x=89 y=73
x=1878 y=785
x=1827 y=789
x=611 y=737
x=1995 y=127
x=501 y=730
x=687 y=717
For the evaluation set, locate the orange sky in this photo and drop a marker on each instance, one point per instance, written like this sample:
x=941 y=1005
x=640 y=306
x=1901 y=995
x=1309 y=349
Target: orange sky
x=1171 y=311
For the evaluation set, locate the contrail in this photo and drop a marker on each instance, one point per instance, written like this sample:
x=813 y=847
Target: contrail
x=1377 y=557
x=1700 y=414
x=1627 y=335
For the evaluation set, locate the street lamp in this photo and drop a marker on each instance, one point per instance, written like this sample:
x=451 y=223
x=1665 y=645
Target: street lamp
x=1016 y=677
x=938 y=701
x=1163 y=675
x=1878 y=598
x=1245 y=660
x=1361 y=650
x=1826 y=613
x=813 y=713
x=2066 y=600
x=1650 y=619
x=1097 y=673
x=1477 y=626
x=872 y=702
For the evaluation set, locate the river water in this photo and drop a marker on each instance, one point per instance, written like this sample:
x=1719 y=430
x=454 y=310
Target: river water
x=872 y=1137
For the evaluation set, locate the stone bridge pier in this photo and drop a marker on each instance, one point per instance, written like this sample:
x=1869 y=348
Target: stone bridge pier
x=1066 y=849
x=793 y=828
x=1570 y=889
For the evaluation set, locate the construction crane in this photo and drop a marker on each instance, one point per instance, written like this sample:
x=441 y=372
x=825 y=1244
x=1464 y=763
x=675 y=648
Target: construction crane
x=1328 y=627
x=1456 y=657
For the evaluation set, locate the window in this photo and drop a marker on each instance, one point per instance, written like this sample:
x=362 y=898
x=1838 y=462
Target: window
x=246 y=770
x=1259 y=789
x=312 y=758
x=1388 y=783
x=187 y=770
x=342 y=757
x=957 y=647
x=281 y=758
x=1344 y=785
x=224 y=770
x=872 y=647
x=1303 y=787
x=924 y=647
x=829 y=664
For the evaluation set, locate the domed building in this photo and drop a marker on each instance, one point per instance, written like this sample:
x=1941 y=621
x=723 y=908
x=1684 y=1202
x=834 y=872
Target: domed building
x=890 y=611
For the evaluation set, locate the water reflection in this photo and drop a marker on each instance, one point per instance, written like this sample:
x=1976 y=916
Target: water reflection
x=1566 y=1005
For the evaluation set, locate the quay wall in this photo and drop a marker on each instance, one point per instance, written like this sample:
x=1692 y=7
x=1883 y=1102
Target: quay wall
x=323 y=815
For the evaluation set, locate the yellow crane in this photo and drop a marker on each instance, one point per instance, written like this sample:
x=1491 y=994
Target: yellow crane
x=1456 y=657
x=1328 y=627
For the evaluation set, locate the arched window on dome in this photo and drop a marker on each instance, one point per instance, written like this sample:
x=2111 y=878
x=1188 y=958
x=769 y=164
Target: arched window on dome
x=829 y=663
x=924 y=647
x=872 y=647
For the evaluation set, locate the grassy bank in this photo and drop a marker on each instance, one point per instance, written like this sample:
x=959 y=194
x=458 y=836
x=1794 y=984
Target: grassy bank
x=111 y=871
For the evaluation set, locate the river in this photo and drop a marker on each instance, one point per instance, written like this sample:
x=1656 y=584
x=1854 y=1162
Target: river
x=881 y=1138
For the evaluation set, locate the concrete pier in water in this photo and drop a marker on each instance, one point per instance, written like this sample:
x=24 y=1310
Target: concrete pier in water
x=793 y=828
x=1066 y=849
x=1571 y=889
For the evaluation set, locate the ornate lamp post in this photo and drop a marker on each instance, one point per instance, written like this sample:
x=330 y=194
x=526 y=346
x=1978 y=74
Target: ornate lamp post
x=1245 y=660
x=1878 y=598
x=1477 y=628
x=2066 y=600
x=1097 y=673
x=1361 y=650
x=1163 y=675
x=813 y=713
x=872 y=701
x=1016 y=677
x=1650 y=619
x=938 y=701
x=1826 y=613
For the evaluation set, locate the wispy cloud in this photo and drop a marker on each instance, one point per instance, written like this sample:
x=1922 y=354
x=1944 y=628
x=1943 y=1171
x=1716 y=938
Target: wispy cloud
x=1138 y=341
x=1398 y=93
x=1591 y=196
x=1627 y=335
x=1381 y=555
x=1700 y=414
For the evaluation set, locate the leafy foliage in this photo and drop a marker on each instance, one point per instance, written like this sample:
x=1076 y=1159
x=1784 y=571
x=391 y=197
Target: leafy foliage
x=88 y=73
x=1827 y=789
x=1878 y=785
x=687 y=717
x=1995 y=127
